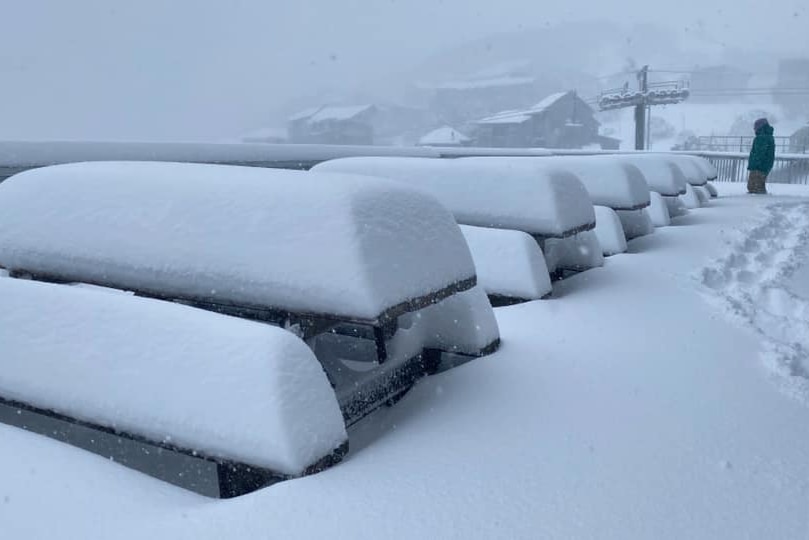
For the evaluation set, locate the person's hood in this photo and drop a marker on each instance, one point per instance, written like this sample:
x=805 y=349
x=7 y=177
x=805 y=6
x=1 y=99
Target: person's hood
x=766 y=129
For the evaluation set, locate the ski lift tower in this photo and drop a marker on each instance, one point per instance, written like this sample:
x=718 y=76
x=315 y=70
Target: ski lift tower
x=642 y=99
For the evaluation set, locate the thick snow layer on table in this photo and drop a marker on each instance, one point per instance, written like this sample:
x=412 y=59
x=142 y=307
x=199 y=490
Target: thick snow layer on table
x=40 y=153
x=219 y=385
x=661 y=175
x=575 y=428
x=508 y=263
x=575 y=253
x=659 y=210
x=690 y=198
x=609 y=231
x=693 y=172
x=349 y=246
x=705 y=167
x=503 y=194
x=609 y=182
x=636 y=222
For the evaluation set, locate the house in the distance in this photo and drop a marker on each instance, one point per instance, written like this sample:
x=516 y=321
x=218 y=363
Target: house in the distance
x=333 y=124
x=444 y=136
x=561 y=120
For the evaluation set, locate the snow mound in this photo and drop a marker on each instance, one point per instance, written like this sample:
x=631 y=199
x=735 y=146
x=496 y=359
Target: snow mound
x=501 y=194
x=225 y=387
x=578 y=253
x=706 y=168
x=636 y=223
x=304 y=242
x=509 y=264
x=610 y=231
x=659 y=211
x=712 y=190
x=661 y=174
x=694 y=173
x=609 y=182
x=690 y=198
x=703 y=195
x=464 y=324
x=676 y=206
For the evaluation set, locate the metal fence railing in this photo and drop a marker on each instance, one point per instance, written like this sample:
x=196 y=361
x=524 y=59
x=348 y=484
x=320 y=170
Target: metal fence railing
x=742 y=143
x=732 y=167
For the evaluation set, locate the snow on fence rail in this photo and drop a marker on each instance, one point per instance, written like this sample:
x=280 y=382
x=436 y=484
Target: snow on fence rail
x=344 y=261
x=214 y=404
x=17 y=156
x=732 y=167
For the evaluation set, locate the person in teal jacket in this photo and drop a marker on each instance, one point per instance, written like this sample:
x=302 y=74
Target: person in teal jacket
x=762 y=157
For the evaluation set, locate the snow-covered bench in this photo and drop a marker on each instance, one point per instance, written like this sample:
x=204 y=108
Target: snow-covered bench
x=551 y=206
x=343 y=261
x=212 y=403
x=609 y=182
x=662 y=176
x=524 y=277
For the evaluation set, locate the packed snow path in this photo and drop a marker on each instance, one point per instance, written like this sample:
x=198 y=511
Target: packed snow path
x=756 y=281
x=625 y=407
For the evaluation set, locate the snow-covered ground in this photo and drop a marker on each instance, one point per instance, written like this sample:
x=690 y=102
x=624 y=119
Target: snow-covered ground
x=663 y=395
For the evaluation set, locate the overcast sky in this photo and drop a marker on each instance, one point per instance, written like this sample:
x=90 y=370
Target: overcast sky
x=196 y=69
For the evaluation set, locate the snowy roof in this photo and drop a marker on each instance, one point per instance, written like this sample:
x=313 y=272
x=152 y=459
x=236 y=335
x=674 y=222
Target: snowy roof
x=491 y=82
x=444 y=136
x=496 y=194
x=547 y=102
x=222 y=386
x=341 y=245
x=331 y=113
x=506 y=117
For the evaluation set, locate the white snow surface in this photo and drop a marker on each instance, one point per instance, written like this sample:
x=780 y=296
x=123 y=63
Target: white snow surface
x=500 y=193
x=659 y=211
x=608 y=181
x=508 y=263
x=661 y=175
x=712 y=190
x=641 y=402
x=610 y=231
x=337 y=244
x=219 y=385
x=690 y=198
